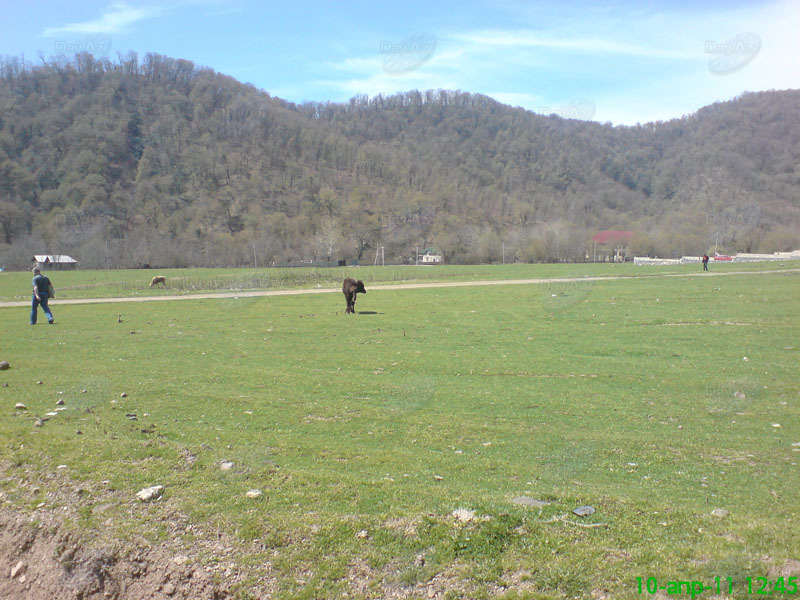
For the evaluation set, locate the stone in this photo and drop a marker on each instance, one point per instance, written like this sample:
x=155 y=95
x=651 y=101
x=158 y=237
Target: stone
x=150 y=493
x=720 y=512
x=169 y=589
x=528 y=501
x=60 y=402
x=584 y=511
x=20 y=406
x=4 y=365
x=438 y=477
x=463 y=515
x=123 y=395
x=253 y=493
x=101 y=508
x=363 y=534
x=739 y=395
x=225 y=465
x=17 y=569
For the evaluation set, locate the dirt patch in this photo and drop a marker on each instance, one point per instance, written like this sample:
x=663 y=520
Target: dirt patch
x=40 y=560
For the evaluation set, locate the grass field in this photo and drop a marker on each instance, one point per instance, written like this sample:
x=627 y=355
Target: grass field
x=15 y=286
x=654 y=400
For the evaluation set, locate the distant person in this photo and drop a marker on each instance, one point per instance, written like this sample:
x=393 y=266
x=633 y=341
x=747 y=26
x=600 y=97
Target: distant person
x=705 y=262
x=41 y=287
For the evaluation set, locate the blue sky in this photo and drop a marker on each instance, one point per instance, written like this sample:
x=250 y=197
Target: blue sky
x=623 y=62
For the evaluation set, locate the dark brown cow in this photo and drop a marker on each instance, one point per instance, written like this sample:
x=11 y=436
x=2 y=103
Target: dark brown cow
x=350 y=288
x=159 y=279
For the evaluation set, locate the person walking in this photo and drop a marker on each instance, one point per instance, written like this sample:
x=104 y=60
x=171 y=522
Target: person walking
x=41 y=287
x=705 y=262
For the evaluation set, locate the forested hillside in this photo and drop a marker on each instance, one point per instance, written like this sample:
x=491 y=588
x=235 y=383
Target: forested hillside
x=157 y=161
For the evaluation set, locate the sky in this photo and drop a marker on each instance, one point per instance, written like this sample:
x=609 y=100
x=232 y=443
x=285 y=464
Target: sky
x=623 y=62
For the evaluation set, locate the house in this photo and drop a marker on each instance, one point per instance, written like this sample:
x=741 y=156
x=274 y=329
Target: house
x=611 y=246
x=55 y=261
x=430 y=256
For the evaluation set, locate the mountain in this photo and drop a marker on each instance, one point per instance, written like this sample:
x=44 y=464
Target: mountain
x=158 y=161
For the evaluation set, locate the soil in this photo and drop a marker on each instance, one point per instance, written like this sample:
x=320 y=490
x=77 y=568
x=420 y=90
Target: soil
x=49 y=563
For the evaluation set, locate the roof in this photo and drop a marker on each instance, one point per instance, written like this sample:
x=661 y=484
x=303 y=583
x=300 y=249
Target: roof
x=605 y=237
x=53 y=258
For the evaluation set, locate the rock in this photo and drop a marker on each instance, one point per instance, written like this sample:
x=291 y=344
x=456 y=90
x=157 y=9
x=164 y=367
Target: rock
x=584 y=511
x=720 y=512
x=123 y=395
x=528 y=501
x=180 y=559
x=101 y=508
x=226 y=465
x=4 y=365
x=169 y=589
x=17 y=569
x=363 y=534
x=253 y=493
x=739 y=395
x=39 y=422
x=132 y=416
x=39 y=382
x=151 y=493
x=20 y=406
x=83 y=391
x=463 y=515
x=438 y=477
x=52 y=414
x=60 y=402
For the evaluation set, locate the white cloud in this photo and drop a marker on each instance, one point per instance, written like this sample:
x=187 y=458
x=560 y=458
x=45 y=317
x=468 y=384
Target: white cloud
x=116 y=18
x=526 y=40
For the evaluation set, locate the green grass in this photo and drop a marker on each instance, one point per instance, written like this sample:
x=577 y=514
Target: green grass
x=15 y=286
x=631 y=395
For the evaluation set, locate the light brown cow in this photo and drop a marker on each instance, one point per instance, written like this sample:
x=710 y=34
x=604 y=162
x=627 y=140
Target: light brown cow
x=158 y=279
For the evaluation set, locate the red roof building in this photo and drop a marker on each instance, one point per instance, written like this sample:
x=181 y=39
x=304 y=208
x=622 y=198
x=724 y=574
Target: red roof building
x=612 y=237
x=613 y=245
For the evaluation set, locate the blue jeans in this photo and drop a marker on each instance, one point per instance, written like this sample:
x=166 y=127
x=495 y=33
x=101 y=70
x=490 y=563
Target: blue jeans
x=34 y=305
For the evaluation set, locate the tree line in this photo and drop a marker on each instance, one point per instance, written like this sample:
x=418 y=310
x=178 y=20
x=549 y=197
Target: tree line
x=158 y=161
